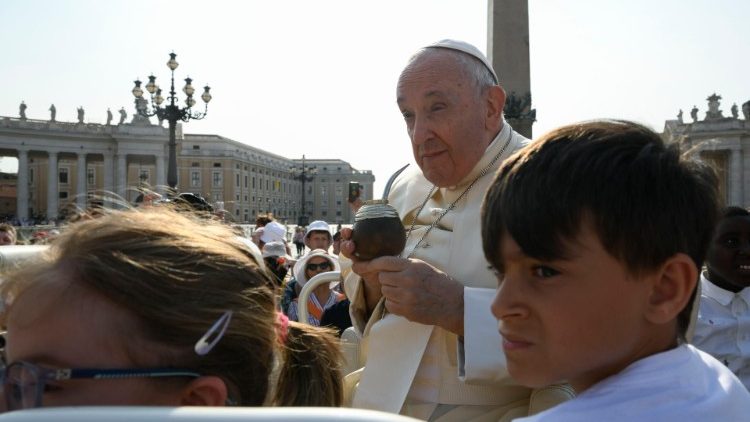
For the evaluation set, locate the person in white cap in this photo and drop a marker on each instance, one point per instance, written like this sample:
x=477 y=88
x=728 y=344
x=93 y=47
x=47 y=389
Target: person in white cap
x=318 y=236
x=433 y=349
x=277 y=260
x=323 y=297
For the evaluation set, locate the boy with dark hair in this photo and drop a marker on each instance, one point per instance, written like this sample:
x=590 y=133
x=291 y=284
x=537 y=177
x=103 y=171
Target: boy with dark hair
x=597 y=231
x=724 y=315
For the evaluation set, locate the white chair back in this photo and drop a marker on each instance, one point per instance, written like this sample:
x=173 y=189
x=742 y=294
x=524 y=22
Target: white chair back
x=13 y=255
x=200 y=414
x=349 y=339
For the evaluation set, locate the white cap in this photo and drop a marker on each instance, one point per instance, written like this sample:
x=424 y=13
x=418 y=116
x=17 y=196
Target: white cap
x=468 y=49
x=299 y=267
x=318 y=226
x=273 y=232
x=254 y=251
x=276 y=249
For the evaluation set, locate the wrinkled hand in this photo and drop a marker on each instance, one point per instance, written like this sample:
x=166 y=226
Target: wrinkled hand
x=355 y=205
x=417 y=291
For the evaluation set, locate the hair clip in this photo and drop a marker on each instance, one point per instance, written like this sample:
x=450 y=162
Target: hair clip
x=202 y=346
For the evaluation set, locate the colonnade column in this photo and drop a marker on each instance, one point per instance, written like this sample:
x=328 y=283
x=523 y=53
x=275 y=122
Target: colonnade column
x=81 y=191
x=22 y=199
x=736 y=176
x=161 y=174
x=52 y=193
x=122 y=176
x=109 y=180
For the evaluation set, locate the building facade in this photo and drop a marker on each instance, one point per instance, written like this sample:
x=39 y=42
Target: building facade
x=61 y=165
x=721 y=141
x=327 y=193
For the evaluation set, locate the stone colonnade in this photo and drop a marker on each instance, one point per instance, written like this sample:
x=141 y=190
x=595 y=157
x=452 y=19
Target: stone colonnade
x=115 y=179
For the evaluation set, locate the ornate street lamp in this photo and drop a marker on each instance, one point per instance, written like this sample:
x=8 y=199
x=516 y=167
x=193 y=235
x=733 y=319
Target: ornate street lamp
x=304 y=175
x=171 y=112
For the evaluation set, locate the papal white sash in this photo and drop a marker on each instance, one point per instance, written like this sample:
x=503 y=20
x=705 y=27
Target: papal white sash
x=396 y=346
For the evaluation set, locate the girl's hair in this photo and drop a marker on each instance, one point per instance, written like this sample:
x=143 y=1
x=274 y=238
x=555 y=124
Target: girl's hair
x=177 y=275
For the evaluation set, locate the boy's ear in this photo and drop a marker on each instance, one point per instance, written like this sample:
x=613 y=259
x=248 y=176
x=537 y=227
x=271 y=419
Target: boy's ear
x=672 y=288
x=204 y=391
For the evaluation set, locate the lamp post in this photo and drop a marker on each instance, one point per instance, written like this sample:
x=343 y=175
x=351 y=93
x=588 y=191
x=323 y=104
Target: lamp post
x=304 y=175
x=171 y=112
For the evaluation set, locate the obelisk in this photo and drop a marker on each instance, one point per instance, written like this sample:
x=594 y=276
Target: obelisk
x=508 y=51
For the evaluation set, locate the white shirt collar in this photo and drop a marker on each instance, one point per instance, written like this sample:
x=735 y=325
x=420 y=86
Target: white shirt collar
x=720 y=295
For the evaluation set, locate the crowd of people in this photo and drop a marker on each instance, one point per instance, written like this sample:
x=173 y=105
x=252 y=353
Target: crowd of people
x=560 y=279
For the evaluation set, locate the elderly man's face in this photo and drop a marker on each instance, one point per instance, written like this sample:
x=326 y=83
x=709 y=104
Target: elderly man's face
x=445 y=117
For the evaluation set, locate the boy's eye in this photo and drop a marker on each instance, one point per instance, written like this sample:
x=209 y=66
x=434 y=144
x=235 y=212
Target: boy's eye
x=545 y=272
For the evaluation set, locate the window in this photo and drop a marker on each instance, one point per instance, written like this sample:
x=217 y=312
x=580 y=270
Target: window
x=237 y=179
x=246 y=178
x=217 y=179
x=217 y=164
x=31 y=175
x=90 y=176
x=253 y=182
x=217 y=196
x=63 y=195
x=195 y=165
x=196 y=147
x=195 y=179
x=63 y=176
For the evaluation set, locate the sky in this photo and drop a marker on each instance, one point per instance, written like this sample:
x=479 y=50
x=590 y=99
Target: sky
x=318 y=78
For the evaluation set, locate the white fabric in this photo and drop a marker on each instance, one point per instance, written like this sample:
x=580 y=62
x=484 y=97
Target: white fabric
x=276 y=249
x=482 y=337
x=273 y=232
x=723 y=327
x=318 y=226
x=680 y=385
x=453 y=246
x=253 y=248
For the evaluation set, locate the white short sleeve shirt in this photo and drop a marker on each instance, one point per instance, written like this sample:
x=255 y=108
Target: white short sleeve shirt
x=723 y=327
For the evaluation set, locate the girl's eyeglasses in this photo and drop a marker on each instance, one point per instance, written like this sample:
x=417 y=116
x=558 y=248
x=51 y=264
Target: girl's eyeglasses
x=23 y=382
x=314 y=267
